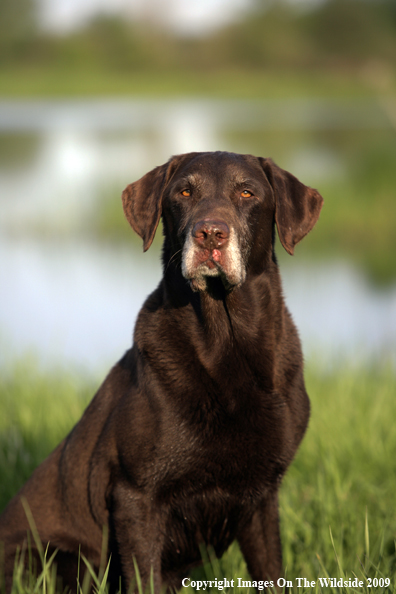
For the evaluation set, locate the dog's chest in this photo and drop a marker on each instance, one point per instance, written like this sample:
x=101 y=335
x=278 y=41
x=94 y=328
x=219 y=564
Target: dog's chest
x=238 y=452
x=221 y=473
x=221 y=468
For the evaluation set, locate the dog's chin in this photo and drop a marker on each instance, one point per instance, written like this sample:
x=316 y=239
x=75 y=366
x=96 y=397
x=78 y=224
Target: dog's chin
x=211 y=279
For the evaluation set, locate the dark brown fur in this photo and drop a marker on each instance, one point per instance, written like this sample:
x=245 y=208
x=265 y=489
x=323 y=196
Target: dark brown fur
x=188 y=438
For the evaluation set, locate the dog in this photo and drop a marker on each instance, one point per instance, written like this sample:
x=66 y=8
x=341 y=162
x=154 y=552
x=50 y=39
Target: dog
x=186 y=442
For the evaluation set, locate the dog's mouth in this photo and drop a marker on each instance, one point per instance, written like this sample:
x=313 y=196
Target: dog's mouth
x=211 y=258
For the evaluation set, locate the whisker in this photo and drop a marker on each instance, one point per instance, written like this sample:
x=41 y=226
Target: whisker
x=170 y=260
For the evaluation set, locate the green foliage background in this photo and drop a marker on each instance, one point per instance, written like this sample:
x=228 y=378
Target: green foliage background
x=346 y=34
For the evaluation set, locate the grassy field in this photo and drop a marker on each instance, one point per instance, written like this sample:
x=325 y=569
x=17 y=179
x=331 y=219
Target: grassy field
x=337 y=502
x=39 y=81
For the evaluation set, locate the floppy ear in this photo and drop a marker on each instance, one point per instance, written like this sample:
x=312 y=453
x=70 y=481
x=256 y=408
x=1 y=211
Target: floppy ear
x=297 y=207
x=142 y=203
x=142 y=200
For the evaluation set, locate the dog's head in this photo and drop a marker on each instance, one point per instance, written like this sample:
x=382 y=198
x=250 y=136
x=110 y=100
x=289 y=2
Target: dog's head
x=218 y=212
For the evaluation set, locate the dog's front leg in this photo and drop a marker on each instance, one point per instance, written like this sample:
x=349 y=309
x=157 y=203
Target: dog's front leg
x=260 y=543
x=138 y=534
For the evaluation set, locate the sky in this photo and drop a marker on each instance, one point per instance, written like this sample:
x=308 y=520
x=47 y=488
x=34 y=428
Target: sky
x=185 y=16
x=188 y=16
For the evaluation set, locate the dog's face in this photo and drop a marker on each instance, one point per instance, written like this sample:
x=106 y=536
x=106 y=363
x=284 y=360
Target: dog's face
x=215 y=208
x=211 y=205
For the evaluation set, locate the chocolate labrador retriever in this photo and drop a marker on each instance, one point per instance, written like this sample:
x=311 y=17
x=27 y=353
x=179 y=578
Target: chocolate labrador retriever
x=187 y=441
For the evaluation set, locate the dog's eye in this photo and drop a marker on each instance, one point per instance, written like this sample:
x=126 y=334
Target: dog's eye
x=246 y=194
x=186 y=193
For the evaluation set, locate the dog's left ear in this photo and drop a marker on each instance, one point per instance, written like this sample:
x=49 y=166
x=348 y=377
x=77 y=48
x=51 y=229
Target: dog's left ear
x=297 y=206
x=142 y=200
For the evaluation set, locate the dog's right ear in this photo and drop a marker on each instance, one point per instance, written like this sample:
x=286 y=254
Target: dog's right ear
x=142 y=200
x=142 y=203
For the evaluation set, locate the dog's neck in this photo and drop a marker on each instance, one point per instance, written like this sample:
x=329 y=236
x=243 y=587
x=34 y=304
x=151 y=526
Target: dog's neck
x=229 y=312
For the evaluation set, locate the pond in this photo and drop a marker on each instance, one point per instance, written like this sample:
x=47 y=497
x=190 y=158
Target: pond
x=73 y=300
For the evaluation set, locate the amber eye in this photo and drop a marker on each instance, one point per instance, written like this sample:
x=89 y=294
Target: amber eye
x=186 y=193
x=246 y=194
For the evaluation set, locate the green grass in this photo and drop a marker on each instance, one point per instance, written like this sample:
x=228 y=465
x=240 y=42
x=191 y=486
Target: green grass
x=337 y=501
x=36 y=411
x=51 y=81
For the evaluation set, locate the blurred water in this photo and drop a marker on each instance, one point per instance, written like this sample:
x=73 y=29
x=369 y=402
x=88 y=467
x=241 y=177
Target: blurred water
x=71 y=303
x=76 y=304
x=64 y=152
x=75 y=301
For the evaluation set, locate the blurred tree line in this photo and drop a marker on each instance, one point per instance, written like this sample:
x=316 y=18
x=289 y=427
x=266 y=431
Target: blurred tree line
x=345 y=34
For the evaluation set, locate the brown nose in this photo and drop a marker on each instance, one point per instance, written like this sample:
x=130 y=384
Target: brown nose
x=211 y=234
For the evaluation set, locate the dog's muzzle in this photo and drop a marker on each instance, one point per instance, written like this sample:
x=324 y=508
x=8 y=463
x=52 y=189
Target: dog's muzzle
x=211 y=249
